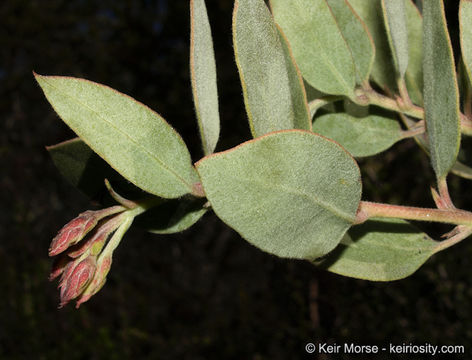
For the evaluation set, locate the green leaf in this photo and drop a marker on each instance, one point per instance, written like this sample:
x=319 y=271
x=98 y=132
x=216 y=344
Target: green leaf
x=203 y=76
x=414 y=71
x=465 y=21
x=383 y=72
x=360 y=136
x=172 y=216
x=272 y=86
x=441 y=96
x=132 y=138
x=290 y=193
x=380 y=250
x=397 y=31
x=87 y=171
x=318 y=45
x=357 y=37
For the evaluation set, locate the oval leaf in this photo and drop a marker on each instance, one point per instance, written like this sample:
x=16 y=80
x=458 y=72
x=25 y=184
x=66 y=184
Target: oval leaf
x=380 y=250
x=203 y=76
x=465 y=20
x=318 y=45
x=132 y=138
x=441 y=96
x=397 y=32
x=357 y=37
x=360 y=136
x=273 y=89
x=291 y=193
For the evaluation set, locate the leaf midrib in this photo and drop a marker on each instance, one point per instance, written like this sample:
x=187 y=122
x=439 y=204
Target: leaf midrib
x=337 y=212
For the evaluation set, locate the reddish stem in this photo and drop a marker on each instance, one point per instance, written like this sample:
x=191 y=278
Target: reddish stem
x=368 y=210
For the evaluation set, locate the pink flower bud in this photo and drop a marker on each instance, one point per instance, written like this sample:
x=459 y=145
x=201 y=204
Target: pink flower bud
x=76 y=280
x=96 y=239
x=99 y=279
x=76 y=229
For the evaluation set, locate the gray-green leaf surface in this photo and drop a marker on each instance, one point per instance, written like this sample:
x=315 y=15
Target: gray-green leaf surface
x=414 y=71
x=133 y=139
x=360 y=136
x=397 y=32
x=441 y=95
x=357 y=37
x=383 y=70
x=371 y=13
x=203 y=76
x=380 y=250
x=318 y=45
x=291 y=193
x=272 y=86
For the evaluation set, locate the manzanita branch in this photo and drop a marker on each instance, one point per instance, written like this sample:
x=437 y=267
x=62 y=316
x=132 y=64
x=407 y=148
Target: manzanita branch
x=367 y=96
x=368 y=210
x=444 y=194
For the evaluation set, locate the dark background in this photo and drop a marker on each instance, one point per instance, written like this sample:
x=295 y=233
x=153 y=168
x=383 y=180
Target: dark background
x=205 y=293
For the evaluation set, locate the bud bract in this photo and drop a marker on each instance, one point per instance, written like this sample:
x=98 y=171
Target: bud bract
x=76 y=229
x=77 y=279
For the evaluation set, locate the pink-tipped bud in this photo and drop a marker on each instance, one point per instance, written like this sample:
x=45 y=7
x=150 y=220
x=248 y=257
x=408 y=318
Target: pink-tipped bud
x=96 y=239
x=73 y=232
x=76 y=229
x=77 y=280
x=99 y=279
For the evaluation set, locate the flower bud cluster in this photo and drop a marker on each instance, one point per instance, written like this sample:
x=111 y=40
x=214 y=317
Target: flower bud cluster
x=83 y=260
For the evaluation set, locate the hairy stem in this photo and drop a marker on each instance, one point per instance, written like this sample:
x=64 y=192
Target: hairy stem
x=368 y=96
x=444 y=193
x=368 y=210
x=405 y=97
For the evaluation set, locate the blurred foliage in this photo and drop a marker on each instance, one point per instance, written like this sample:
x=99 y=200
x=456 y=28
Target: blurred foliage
x=205 y=293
